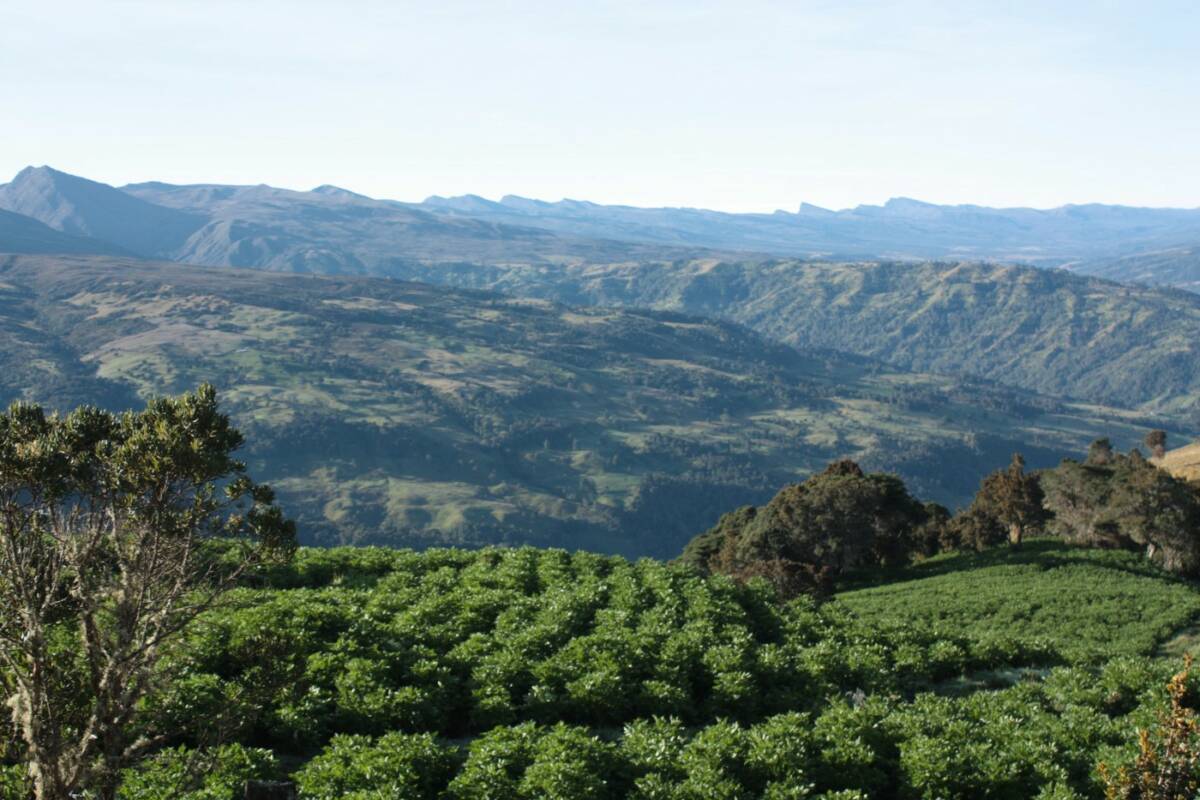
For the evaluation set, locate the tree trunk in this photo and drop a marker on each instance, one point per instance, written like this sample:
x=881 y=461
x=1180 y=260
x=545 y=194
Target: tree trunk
x=46 y=786
x=1015 y=532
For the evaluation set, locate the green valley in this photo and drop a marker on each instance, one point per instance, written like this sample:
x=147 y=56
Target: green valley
x=399 y=413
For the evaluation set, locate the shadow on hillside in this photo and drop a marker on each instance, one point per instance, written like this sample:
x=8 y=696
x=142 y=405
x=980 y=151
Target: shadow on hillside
x=1044 y=553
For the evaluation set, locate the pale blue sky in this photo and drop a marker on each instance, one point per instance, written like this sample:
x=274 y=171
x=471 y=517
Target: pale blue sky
x=747 y=105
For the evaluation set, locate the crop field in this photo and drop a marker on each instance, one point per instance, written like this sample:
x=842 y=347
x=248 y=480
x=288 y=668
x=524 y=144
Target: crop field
x=525 y=673
x=1090 y=605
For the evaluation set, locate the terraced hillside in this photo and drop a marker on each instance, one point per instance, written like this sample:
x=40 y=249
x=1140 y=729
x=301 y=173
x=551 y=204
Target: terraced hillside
x=394 y=412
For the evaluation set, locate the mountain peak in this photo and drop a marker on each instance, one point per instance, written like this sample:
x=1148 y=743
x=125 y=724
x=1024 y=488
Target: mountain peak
x=904 y=203
x=48 y=175
x=329 y=190
x=82 y=207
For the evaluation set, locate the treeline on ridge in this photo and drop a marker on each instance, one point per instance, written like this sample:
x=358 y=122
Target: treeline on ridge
x=843 y=519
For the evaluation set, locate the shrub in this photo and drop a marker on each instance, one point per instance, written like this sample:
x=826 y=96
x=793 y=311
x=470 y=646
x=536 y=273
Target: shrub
x=495 y=764
x=570 y=764
x=399 y=766
x=1167 y=766
x=183 y=774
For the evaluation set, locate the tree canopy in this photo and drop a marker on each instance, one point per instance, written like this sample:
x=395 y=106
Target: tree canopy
x=104 y=525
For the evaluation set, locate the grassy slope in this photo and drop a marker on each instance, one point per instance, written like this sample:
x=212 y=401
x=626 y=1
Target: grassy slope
x=1183 y=461
x=393 y=413
x=1090 y=604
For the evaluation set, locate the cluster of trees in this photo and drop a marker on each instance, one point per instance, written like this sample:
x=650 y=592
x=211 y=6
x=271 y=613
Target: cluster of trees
x=811 y=532
x=1115 y=500
x=843 y=519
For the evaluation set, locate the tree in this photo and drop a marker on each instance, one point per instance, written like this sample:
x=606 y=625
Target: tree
x=973 y=529
x=1100 y=453
x=810 y=532
x=1156 y=440
x=1157 y=511
x=1167 y=766
x=930 y=535
x=1013 y=498
x=105 y=522
x=1078 y=496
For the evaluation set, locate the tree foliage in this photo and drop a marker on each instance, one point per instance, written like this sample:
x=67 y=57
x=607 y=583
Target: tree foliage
x=1013 y=497
x=1167 y=766
x=1127 y=502
x=812 y=531
x=103 y=520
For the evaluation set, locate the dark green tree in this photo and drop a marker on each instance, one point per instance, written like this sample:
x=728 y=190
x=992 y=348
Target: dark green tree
x=929 y=536
x=1078 y=496
x=1156 y=440
x=1014 y=498
x=1158 y=512
x=812 y=531
x=973 y=529
x=104 y=522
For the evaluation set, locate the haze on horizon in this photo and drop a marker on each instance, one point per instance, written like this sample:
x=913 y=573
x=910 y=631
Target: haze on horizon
x=747 y=106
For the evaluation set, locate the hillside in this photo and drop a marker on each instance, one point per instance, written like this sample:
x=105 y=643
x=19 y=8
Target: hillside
x=22 y=234
x=976 y=594
x=1049 y=332
x=1176 y=266
x=1046 y=331
x=1183 y=462
x=83 y=207
x=394 y=412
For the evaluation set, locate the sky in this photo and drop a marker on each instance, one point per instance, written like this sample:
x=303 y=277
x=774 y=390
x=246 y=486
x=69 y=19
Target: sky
x=751 y=105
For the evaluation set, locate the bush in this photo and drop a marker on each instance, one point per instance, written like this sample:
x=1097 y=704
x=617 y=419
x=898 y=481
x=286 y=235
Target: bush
x=183 y=774
x=14 y=783
x=398 y=766
x=496 y=763
x=570 y=764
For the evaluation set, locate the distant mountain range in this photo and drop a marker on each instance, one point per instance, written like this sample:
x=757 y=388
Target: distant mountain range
x=336 y=231
x=566 y=373
x=327 y=230
x=900 y=229
x=1043 y=330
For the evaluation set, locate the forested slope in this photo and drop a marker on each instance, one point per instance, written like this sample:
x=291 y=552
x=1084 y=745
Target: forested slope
x=1046 y=331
